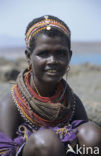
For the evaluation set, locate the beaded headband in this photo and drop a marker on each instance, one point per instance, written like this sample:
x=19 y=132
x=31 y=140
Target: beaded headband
x=44 y=24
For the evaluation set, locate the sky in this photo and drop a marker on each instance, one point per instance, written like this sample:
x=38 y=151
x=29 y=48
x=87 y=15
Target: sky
x=82 y=16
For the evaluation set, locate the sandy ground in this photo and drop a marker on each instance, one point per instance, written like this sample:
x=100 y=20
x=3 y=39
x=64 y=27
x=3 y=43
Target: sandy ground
x=85 y=80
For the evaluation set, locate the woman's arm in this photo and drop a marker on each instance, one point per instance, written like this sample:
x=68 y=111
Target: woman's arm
x=9 y=116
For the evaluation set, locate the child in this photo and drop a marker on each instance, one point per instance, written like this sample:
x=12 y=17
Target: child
x=43 y=143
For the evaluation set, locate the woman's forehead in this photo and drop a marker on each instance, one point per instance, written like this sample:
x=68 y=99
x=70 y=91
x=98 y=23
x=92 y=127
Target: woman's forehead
x=43 y=39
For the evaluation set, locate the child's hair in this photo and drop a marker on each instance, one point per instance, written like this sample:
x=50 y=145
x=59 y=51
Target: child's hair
x=44 y=142
x=48 y=25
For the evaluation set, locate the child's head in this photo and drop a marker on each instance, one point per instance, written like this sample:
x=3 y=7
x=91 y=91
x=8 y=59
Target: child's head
x=43 y=143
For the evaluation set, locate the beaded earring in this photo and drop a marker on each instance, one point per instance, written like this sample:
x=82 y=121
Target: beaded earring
x=29 y=68
x=68 y=69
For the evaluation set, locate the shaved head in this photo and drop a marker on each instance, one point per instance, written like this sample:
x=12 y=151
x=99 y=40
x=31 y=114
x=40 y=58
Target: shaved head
x=44 y=143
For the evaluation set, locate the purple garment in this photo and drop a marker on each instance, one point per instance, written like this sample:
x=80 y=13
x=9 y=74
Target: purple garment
x=9 y=147
x=12 y=147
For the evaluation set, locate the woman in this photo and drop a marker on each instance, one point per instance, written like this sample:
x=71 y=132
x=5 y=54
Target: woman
x=41 y=98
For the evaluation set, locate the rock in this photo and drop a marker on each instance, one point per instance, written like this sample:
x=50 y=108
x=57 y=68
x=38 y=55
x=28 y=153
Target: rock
x=8 y=73
x=9 y=69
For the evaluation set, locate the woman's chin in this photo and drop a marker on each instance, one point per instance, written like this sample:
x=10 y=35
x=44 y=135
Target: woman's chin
x=52 y=80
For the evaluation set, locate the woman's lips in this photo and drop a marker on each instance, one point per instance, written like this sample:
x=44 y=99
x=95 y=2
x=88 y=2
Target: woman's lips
x=52 y=72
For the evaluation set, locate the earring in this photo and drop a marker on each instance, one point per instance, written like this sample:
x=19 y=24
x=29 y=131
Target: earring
x=68 y=69
x=29 y=68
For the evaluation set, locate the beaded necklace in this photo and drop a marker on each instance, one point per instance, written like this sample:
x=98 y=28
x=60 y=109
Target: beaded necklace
x=53 y=99
x=42 y=111
x=36 y=88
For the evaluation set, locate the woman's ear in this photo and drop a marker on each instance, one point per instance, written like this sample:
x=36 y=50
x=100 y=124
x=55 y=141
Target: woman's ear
x=28 y=56
x=70 y=54
x=27 y=53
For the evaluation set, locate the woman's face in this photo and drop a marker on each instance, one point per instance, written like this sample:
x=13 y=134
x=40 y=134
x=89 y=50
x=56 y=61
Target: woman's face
x=49 y=59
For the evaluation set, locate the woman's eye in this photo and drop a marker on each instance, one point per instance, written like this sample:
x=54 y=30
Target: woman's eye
x=63 y=53
x=43 y=54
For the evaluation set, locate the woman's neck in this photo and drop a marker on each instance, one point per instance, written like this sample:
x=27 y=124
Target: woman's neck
x=43 y=89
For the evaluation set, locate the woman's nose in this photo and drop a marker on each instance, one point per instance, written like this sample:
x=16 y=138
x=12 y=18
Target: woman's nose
x=52 y=60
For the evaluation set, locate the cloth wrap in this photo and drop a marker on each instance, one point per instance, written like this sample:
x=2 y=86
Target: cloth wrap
x=13 y=147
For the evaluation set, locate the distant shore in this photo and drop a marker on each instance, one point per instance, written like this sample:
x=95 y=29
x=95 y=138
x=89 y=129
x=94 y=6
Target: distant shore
x=83 y=52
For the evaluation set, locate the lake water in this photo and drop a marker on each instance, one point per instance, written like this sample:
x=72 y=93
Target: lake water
x=93 y=58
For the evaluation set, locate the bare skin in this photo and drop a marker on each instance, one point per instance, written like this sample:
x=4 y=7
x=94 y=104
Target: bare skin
x=89 y=135
x=49 y=54
x=10 y=117
x=44 y=143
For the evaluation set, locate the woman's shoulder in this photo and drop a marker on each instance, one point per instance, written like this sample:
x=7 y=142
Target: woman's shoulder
x=9 y=115
x=6 y=103
x=80 y=112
